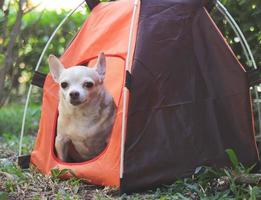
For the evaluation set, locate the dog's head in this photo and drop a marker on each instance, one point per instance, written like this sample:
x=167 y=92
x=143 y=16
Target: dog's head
x=78 y=84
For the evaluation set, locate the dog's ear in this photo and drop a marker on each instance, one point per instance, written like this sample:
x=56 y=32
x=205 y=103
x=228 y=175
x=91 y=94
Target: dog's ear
x=101 y=65
x=56 y=67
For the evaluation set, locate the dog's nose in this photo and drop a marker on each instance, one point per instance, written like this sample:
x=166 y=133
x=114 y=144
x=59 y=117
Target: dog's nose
x=74 y=95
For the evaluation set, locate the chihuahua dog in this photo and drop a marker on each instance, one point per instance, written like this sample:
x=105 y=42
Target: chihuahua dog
x=86 y=110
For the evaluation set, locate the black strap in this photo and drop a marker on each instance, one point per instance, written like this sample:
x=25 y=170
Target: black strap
x=92 y=3
x=24 y=161
x=38 y=79
x=128 y=80
x=254 y=77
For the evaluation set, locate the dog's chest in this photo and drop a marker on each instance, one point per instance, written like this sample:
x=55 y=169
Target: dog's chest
x=88 y=128
x=79 y=127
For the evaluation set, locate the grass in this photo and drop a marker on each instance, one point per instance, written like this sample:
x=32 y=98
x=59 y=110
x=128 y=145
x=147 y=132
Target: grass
x=207 y=183
x=11 y=119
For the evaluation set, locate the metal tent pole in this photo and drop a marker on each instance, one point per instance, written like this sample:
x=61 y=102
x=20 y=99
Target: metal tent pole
x=125 y=90
x=36 y=68
x=247 y=51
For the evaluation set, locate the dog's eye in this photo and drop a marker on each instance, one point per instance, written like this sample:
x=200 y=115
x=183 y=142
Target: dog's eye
x=64 y=85
x=88 y=84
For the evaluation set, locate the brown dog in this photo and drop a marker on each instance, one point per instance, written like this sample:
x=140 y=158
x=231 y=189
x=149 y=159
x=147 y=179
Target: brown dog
x=86 y=110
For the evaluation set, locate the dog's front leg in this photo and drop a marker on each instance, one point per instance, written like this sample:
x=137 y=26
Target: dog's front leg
x=83 y=150
x=62 y=147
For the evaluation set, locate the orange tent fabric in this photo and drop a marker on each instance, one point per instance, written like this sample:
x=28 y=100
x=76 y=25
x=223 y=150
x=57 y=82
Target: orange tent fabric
x=107 y=30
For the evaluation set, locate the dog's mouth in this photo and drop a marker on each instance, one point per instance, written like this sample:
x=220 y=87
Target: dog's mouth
x=75 y=102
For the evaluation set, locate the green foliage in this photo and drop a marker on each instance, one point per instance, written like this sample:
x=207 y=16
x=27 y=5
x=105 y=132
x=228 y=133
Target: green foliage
x=11 y=120
x=36 y=29
x=247 y=14
x=233 y=158
x=57 y=173
x=3 y=196
x=238 y=167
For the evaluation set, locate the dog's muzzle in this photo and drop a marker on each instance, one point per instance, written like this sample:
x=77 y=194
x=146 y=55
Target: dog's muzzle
x=75 y=98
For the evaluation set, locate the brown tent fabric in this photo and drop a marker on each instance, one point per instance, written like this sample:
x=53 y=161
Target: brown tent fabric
x=189 y=99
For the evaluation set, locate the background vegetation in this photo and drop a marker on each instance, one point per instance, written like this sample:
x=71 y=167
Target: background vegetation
x=24 y=31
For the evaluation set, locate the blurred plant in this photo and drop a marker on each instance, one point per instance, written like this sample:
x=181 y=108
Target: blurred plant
x=24 y=32
x=9 y=35
x=56 y=173
x=247 y=14
x=11 y=119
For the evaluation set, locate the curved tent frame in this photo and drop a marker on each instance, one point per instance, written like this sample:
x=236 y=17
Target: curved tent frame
x=37 y=67
x=220 y=7
x=247 y=51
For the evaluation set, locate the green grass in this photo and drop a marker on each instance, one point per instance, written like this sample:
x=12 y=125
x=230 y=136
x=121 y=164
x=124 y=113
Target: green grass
x=207 y=183
x=11 y=119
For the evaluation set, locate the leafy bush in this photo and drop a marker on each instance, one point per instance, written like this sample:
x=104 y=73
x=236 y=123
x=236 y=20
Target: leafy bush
x=36 y=28
x=11 y=119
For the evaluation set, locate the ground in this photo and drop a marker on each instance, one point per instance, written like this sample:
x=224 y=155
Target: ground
x=207 y=183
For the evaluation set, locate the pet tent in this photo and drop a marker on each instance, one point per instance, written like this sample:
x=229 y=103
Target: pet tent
x=182 y=96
